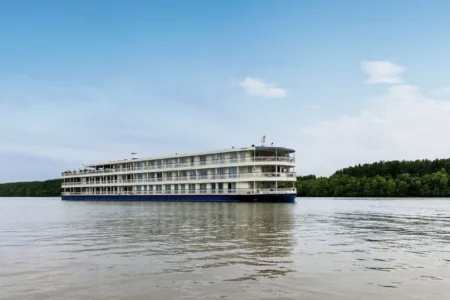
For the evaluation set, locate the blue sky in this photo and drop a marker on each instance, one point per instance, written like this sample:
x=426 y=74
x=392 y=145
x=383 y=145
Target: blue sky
x=342 y=82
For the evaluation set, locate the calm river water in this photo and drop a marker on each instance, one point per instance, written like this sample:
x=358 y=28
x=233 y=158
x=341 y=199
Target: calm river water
x=315 y=249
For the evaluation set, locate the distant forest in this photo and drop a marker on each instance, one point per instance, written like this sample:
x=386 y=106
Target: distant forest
x=419 y=178
x=48 y=188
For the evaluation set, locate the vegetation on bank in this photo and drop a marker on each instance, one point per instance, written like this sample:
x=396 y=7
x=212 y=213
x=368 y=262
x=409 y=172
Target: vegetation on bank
x=420 y=178
x=48 y=188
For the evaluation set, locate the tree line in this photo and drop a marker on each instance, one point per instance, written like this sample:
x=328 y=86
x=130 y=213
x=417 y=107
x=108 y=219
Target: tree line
x=48 y=188
x=419 y=178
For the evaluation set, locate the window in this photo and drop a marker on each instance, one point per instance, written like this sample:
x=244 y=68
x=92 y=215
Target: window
x=232 y=188
x=242 y=154
x=169 y=176
x=192 y=174
x=203 y=160
x=192 y=188
x=221 y=173
x=176 y=188
x=220 y=187
x=233 y=172
x=213 y=187
x=222 y=158
x=203 y=174
x=183 y=188
x=250 y=170
x=167 y=188
x=203 y=188
x=233 y=156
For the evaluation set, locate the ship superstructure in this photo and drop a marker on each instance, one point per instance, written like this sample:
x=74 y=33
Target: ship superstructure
x=257 y=173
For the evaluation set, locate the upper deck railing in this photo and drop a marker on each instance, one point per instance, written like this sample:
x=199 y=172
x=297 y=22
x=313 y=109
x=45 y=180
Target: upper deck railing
x=251 y=176
x=177 y=164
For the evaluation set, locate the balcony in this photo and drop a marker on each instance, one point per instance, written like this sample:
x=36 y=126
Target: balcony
x=202 y=164
x=268 y=176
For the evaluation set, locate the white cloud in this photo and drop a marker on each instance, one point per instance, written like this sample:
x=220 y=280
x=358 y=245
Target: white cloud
x=257 y=87
x=382 y=71
x=402 y=124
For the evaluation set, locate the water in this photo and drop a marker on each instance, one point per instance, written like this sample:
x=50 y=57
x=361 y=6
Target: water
x=315 y=249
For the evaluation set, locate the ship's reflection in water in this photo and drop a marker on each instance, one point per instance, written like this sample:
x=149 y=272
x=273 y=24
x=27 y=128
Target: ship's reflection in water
x=233 y=241
x=315 y=249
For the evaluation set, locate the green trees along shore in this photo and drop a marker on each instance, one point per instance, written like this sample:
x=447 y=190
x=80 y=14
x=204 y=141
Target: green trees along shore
x=419 y=178
x=48 y=188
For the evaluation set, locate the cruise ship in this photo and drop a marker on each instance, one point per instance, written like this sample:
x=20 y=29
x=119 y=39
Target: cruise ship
x=252 y=174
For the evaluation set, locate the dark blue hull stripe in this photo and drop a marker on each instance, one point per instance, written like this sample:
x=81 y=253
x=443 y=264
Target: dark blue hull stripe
x=284 y=198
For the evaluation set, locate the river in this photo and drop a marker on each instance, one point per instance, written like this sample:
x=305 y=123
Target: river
x=315 y=249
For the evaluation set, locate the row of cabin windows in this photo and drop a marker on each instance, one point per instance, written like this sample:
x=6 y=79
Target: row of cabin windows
x=192 y=173
x=191 y=187
x=171 y=161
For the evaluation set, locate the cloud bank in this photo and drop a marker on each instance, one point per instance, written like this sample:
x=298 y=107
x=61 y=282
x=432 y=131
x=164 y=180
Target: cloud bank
x=401 y=124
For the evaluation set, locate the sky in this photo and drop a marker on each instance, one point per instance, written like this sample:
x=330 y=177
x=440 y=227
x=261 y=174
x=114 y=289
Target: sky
x=341 y=82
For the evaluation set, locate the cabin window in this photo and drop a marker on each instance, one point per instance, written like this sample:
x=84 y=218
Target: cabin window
x=233 y=172
x=242 y=154
x=233 y=156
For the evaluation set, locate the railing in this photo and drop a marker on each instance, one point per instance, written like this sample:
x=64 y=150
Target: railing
x=266 y=175
x=259 y=159
x=197 y=191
